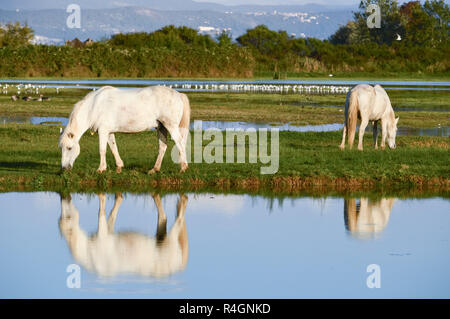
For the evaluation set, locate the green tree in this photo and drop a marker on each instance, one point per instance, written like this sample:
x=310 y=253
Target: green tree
x=15 y=35
x=418 y=24
x=346 y=34
x=267 y=45
x=391 y=23
x=439 y=13
x=224 y=38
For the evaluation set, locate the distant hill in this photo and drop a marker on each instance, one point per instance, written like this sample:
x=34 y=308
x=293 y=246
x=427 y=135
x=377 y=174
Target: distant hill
x=50 y=24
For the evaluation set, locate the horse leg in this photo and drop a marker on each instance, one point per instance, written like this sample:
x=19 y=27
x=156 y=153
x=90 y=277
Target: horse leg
x=113 y=146
x=103 y=140
x=362 y=129
x=162 y=136
x=178 y=138
x=342 y=146
x=383 y=134
x=351 y=136
x=375 y=134
x=113 y=215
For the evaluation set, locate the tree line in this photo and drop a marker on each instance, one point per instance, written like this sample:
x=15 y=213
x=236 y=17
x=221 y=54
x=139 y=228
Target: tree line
x=413 y=37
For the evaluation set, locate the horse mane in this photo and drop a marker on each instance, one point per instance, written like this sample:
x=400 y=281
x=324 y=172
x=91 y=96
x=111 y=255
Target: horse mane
x=72 y=124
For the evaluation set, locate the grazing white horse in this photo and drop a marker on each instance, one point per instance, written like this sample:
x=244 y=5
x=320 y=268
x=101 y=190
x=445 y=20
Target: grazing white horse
x=369 y=104
x=110 y=110
x=109 y=254
x=369 y=218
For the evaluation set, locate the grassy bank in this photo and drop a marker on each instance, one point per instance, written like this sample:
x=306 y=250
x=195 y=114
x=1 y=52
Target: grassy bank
x=30 y=159
x=296 y=108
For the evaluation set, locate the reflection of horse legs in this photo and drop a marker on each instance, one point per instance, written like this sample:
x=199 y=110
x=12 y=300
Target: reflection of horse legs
x=375 y=133
x=107 y=227
x=178 y=231
x=179 y=228
x=351 y=211
x=161 y=230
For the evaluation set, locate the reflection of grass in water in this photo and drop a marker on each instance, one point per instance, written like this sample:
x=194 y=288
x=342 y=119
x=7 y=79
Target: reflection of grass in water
x=51 y=123
x=30 y=158
x=298 y=123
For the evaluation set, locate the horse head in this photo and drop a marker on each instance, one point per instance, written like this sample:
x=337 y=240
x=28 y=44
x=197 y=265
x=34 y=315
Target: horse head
x=70 y=148
x=392 y=132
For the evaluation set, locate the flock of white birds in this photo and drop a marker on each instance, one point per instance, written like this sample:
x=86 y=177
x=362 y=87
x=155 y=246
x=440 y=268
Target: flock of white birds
x=24 y=88
x=268 y=88
x=211 y=87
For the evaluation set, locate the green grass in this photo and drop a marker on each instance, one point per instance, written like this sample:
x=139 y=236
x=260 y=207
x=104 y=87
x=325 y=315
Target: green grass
x=268 y=75
x=385 y=76
x=30 y=159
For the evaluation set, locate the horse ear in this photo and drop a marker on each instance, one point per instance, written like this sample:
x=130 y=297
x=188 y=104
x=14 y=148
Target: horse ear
x=70 y=135
x=396 y=120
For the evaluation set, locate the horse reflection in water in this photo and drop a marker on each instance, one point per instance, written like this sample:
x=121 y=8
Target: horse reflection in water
x=109 y=254
x=368 y=218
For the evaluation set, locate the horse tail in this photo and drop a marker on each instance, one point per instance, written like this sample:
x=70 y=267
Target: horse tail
x=186 y=117
x=352 y=117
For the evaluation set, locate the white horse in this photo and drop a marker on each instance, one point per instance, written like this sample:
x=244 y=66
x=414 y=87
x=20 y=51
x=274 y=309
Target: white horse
x=369 y=104
x=369 y=218
x=109 y=254
x=110 y=110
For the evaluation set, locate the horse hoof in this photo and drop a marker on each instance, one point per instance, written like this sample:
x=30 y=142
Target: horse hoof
x=184 y=167
x=152 y=171
x=100 y=170
x=119 y=169
x=342 y=147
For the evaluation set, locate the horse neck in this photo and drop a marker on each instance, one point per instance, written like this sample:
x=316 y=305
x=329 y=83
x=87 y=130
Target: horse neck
x=390 y=110
x=78 y=122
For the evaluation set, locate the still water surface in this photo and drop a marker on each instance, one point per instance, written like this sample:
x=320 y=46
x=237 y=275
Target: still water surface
x=222 y=246
x=224 y=125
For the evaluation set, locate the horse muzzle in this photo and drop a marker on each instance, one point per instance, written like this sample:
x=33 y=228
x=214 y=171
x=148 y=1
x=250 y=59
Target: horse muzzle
x=67 y=168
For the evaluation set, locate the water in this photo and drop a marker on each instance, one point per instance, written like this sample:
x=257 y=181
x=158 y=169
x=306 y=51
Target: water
x=223 y=125
x=223 y=246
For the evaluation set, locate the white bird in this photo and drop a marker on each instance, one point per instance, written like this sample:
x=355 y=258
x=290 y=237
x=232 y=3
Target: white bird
x=398 y=37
